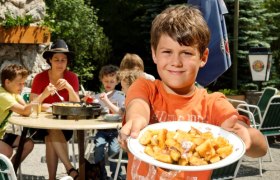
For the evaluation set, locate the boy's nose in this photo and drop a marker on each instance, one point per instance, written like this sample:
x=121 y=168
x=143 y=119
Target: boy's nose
x=176 y=61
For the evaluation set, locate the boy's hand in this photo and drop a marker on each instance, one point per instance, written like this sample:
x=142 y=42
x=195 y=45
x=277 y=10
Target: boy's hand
x=103 y=97
x=132 y=129
x=233 y=125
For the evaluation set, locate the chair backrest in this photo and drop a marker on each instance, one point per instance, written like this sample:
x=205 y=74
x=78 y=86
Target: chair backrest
x=227 y=172
x=265 y=97
x=6 y=169
x=271 y=118
x=66 y=178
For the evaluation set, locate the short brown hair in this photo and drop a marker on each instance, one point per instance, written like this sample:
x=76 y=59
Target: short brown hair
x=184 y=24
x=129 y=76
x=10 y=72
x=131 y=61
x=108 y=70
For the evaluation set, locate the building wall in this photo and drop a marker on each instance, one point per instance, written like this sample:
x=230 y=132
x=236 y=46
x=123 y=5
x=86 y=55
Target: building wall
x=28 y=55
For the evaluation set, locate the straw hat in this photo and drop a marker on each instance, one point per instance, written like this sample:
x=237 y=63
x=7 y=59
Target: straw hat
x=58 y=47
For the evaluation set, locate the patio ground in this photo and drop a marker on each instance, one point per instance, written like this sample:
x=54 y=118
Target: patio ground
x=33 y=168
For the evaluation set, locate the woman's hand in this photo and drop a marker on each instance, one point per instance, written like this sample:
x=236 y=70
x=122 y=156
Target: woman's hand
x=62 y=84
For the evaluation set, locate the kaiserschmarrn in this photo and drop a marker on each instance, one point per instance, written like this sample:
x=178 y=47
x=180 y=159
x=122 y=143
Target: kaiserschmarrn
x=187 y=148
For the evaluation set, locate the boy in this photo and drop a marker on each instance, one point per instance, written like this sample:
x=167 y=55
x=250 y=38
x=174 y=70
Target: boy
x=134 y=62
x=179 y=40
x=126 y=77
x=108 y=75
x=12 y=80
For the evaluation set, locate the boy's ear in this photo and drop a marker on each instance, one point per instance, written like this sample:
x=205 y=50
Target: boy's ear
x=154 y=55
x=204 y=58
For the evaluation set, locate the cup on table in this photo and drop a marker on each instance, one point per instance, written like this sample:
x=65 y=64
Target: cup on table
x=89 y=96
x=35 y=109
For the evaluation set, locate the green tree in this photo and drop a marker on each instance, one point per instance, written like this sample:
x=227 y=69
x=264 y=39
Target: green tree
x=127 y=23
x=77 y=23
x=255 y=29
x=273 y=7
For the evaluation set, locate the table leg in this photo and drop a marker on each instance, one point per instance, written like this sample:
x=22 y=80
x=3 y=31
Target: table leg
x=20 y=148
x=81 y=146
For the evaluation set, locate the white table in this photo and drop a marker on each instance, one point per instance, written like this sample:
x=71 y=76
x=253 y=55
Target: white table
x=48 y=121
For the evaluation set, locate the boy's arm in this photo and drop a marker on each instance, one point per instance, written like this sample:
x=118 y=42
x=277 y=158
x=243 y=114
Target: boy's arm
x=254 y=140
x=104 y=98
x=137 y=117
x=24 y=110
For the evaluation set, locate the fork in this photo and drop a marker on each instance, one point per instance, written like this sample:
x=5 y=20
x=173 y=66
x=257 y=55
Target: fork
x=60 y=97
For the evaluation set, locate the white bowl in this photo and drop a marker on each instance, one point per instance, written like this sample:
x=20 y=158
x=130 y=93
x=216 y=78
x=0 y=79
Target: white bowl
x=112 y=117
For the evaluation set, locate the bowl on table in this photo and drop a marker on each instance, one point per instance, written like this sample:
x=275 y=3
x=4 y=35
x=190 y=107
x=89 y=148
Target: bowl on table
x=112 y=117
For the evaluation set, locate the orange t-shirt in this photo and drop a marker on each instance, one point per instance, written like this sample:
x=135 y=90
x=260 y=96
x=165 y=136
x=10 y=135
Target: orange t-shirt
x=199 y=107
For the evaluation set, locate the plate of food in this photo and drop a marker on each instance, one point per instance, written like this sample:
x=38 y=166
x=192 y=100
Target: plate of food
x=186 y=146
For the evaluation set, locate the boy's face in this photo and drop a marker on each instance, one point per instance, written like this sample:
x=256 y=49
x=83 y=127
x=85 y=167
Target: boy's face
x=15 y=86
x=109 y=82
x=178 y=65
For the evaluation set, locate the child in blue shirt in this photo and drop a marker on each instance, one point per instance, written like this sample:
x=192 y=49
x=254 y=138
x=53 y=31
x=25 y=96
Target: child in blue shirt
x=108 y=75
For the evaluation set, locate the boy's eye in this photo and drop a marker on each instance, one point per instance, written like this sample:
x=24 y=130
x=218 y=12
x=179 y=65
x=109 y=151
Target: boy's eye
x=166 y=52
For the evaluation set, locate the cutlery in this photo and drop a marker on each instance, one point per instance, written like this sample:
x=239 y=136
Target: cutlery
x=60 y=97
x=108 y=93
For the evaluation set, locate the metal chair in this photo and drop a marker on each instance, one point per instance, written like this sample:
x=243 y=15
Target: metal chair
x=7 y=171
x=259 y=109
x=269 y=123
x=119 y=158
x=227 y=172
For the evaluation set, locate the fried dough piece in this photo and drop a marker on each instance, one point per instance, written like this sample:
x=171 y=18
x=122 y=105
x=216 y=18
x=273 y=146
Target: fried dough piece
x=196 y=161
x=175 y=154
x=163 y=157
x=224 y=151
x=206 y=150
x=183 y=161
x=146 y=137
x=149 y=150
x=161 y=138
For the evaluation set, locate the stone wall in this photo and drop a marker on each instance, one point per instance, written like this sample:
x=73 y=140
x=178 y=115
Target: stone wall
x=28 y=55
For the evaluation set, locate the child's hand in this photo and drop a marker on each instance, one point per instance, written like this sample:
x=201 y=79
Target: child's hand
x=132 y=129
x=103 y=97
x=233 y=125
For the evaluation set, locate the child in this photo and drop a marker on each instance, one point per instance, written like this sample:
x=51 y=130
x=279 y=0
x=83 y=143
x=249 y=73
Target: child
x=108 y=77
x=127 y=77
x=179 y=40
x=134 y=62
x=13 y=78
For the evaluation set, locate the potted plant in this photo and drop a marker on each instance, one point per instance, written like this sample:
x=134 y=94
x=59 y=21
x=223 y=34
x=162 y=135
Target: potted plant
x=252 y=92
x=19 y=30
x=235 y=96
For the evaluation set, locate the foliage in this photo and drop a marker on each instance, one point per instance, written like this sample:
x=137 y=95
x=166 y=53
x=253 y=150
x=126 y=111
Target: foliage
x=127 y=23
x=248 y=87
x=229 y=91
x=76 y=23
x=11 y=21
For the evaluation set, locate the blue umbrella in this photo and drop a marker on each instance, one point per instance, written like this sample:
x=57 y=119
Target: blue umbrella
x=219 y=57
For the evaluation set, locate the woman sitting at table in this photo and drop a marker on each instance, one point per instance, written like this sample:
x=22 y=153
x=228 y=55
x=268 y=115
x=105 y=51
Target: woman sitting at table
x=45 y=84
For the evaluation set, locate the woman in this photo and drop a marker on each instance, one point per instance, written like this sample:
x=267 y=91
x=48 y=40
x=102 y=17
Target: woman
x=44 y=85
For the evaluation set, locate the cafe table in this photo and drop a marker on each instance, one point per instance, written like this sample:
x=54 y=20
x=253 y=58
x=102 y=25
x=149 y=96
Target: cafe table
x=48 y=121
